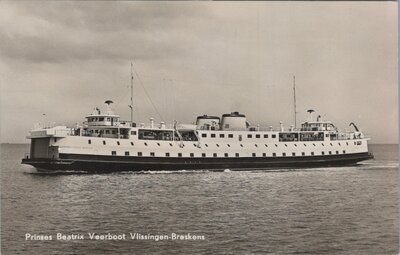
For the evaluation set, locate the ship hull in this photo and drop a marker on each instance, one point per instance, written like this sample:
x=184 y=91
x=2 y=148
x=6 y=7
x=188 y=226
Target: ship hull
x=97 y=164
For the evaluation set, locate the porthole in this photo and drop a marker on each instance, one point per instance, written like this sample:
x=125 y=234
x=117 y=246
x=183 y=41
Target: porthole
x=256 y=145
x=118 y=143
x=228 y=145
x=132 y=143
x=158 y=144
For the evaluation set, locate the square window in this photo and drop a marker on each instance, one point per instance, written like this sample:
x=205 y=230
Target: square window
x=230 y=135
x=312 y=153
x=323 y=153
x=344 y=151
x=221 y=135
x=237 y=154
x=89 y=141
x=126 y=153
x=113 y=153
x=254 y=155
x=303 y=154
x=191 y=155
x=265 y=136
x=140 y=154
x=330 y=153
x=337 y=152
x=203 y=155
x=249 y=136
x=212 y=135
x=226 y=155
x=284 y=154
x=167 y=154
x=264 y=154
x=107 y=131
x=203 y=135
x=327 y=135
x=274 y=154
x=214 y=155
x=179 y=154
x=113 y=132
x=152 y=154
x=273 y=136
x=258 y=136
x=293 y=154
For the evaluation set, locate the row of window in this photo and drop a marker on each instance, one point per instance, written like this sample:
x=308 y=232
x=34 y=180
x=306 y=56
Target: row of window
x=167 y=154
x=213 y=135
x=241 y=145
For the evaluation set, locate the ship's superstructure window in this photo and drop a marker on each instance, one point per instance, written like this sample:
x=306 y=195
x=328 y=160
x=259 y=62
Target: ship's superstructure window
x=313 y=144
x=256 y=145
x=204 y=135
x=264 y=154
x=230 y=135
x=158 y=144
x=133 y=132
x=339 y=144
x=221 y=135
x=206 y=145
x=126 y=153
x=284 y=154
x=293 y=154
x=179 y=154
x=273 y=136
x=113 y=132
x=331 y=144
x=312 y=153
x=167 y=154
x=89 y=141
x=254 y=155
x=139 y=154
x=226 y=155
x=327 y=135
x=274 y=154
x=194 y=145
x=305 y=145
x=107 y=131
x=295 y=145
x=249 y=136
x=265 y=136
x=311 y=136
x=344 y=151
x=203 y=155
x=132 y=143
x=191 y=155
x=303 y=154
x=266 y=145
x=214 y=155
x=285 y=145
x=145 y=144
x=330 y=152
x=258 y=136
x=149 y=134
x=217 y=145
x=170 y=144
x=276 y=145
x=347 y=143
x=104 y=142
x=288 y=137
x=241 y=145
x=228 y=145
x=152 y=154
x=337 y=152
x=212 y=135
x=323 y=153
x=113 y=153
x=237 y=154
x=118 y=143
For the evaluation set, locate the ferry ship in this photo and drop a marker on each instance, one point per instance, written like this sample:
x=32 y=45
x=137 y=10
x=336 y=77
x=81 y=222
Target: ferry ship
x=104 y=143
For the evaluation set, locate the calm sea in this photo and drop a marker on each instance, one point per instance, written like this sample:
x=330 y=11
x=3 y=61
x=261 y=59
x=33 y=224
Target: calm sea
x=346 y=210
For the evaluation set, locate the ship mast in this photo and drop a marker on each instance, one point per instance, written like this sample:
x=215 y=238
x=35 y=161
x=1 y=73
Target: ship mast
x=131 y=105
x=294 y=98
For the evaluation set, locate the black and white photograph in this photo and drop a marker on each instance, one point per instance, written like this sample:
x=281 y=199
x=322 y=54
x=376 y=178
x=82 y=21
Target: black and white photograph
x=199 y=127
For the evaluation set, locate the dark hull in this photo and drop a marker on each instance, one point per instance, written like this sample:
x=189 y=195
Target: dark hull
x=94 y=163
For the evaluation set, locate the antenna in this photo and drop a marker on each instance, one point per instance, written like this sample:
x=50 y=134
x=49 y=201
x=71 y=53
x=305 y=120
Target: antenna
x=131 y=105
x=294 y=97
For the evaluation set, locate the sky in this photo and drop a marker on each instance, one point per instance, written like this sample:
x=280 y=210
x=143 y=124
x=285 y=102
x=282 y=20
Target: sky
x=59 y=60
